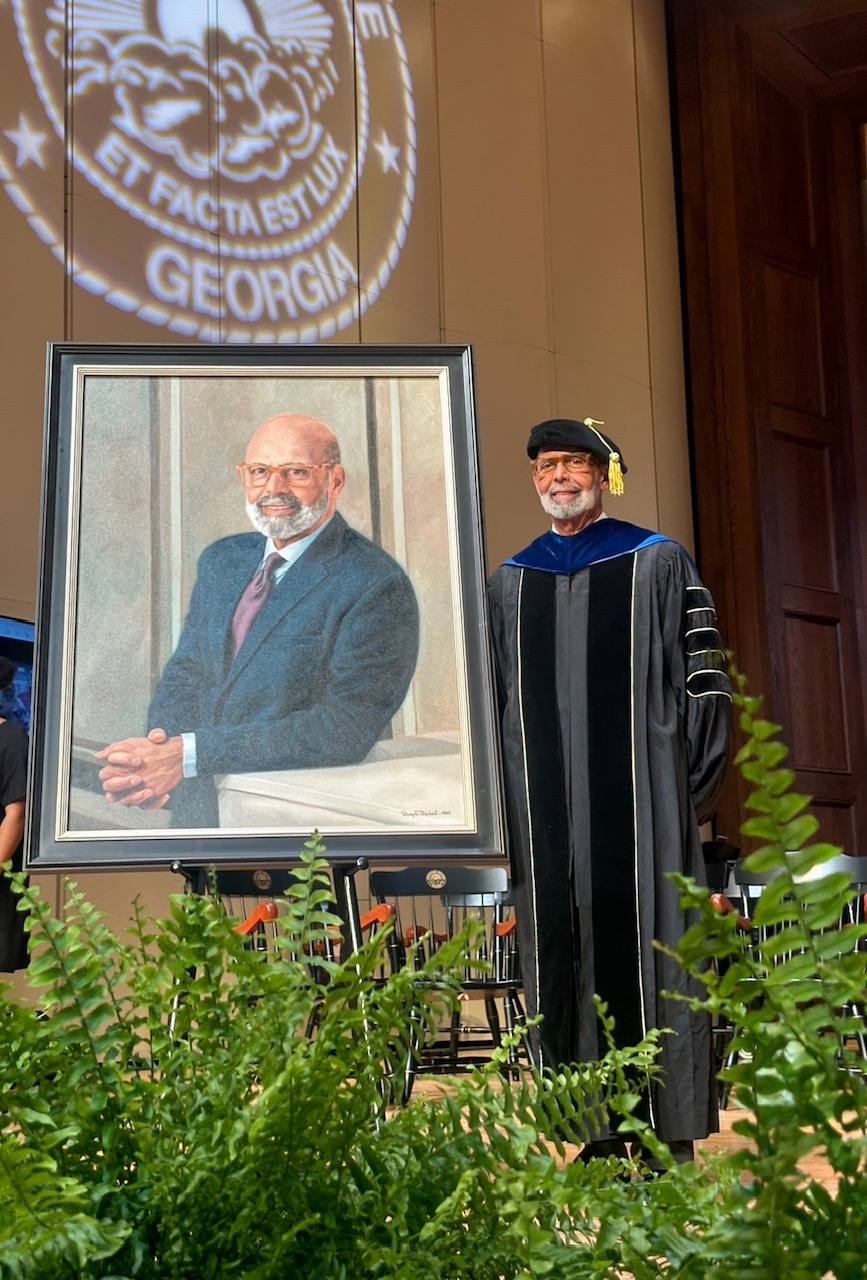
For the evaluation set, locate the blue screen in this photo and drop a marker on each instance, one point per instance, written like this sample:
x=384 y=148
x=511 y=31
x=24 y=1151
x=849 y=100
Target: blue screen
x=16 y=644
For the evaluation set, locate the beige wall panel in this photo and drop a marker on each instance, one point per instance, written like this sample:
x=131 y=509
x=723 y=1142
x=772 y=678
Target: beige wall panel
x=114 y=892
x=389 y=322
x=575 y=26
x=518 y=15
x=22 y=419
x=31 y=313
x=512 y=394
x=664 y=316
x=615 y=290
x=665 y=320
x=409 y=309
x=672 y=470
x=598 y=287
x=492 y=165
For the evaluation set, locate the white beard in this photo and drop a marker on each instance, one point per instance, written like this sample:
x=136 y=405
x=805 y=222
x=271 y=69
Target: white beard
x=300 y=521
x=582 y=501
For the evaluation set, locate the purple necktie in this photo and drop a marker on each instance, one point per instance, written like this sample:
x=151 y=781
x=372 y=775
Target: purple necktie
x=254 y=595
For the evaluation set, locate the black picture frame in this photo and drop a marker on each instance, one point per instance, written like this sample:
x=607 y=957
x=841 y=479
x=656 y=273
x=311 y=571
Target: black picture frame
x=140 y=442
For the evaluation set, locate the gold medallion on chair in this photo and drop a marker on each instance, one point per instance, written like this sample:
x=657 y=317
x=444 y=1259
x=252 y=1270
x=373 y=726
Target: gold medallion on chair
x=262 y=880
x=435 y=879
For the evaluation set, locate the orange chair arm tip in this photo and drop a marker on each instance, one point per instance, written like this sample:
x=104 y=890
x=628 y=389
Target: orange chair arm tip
x=265 y=912
x=725 y=907
x=379 y=914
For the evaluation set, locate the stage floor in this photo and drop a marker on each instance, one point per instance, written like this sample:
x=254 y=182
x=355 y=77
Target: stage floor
x=726 y=1140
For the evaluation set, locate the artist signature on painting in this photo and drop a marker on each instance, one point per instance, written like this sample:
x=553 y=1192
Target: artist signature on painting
x=425 y=813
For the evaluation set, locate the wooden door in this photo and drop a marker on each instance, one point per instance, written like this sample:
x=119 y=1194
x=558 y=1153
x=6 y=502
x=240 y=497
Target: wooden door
x=769 y=103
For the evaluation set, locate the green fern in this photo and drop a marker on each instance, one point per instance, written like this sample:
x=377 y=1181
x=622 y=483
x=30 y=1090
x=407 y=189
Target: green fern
x=165 y=1114
x=797 y=1072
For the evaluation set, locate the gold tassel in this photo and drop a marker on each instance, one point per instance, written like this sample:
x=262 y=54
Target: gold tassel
x=615 y=473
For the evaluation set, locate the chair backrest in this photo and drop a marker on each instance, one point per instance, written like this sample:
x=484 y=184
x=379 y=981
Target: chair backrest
x=433 y=904
x=434 y=881
x=751 y=884
x=855 y=869
x=252 y=898
x=717 y=875
x=244 y=882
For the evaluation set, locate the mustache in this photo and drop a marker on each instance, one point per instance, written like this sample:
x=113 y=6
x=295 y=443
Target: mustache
x=278 y=499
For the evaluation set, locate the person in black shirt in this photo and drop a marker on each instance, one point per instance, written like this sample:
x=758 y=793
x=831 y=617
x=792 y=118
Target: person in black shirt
x=13 y=784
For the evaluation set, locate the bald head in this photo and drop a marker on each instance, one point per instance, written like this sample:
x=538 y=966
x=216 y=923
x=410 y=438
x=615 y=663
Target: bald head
x=293 y=476
x=295 y=437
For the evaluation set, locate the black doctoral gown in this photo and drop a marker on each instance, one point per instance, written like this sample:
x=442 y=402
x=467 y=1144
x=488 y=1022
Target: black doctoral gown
x=615 y=710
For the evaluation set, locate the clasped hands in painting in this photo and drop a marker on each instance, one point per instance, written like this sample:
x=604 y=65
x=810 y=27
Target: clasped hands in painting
x=142 y=771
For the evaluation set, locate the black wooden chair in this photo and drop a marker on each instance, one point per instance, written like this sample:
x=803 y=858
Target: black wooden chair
x=253 y=898
x=432 y=905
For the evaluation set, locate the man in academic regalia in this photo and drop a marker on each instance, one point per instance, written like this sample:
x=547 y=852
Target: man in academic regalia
x=615 y=708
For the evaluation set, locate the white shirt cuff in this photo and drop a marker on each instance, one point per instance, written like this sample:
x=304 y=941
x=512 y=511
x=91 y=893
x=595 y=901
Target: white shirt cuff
x=189 y=741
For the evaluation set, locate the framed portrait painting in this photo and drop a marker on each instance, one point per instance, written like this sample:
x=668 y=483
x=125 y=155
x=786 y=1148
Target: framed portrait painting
x=261 y=609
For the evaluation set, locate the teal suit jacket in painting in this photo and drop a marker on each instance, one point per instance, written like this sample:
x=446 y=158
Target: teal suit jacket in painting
x=325 y=666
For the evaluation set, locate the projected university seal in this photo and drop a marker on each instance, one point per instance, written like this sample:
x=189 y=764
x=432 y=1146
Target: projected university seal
x=229 y=148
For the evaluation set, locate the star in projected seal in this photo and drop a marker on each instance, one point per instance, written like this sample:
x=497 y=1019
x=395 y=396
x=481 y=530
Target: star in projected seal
x=230 y=147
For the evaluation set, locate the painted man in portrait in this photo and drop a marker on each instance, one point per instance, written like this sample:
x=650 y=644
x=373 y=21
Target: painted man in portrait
x=298 y=648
